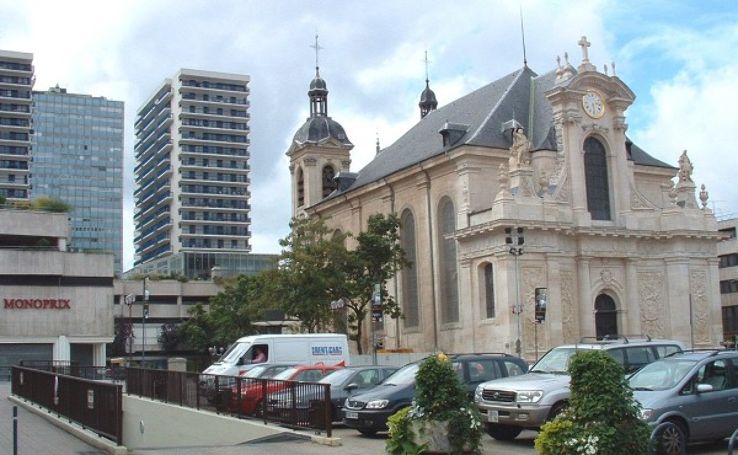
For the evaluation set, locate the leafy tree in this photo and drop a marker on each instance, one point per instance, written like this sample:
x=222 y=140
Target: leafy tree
x=169 y=337
x=311 y=272
x=231 y=312
x=376 y=259
x=122 y=331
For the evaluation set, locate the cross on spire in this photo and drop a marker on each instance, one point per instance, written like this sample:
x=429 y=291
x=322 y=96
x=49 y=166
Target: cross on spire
x=426 y=67
x=585 y=52
x=317 y=48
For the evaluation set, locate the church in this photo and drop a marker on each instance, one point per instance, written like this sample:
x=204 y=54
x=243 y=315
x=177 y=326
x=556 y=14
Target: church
x=529 y=216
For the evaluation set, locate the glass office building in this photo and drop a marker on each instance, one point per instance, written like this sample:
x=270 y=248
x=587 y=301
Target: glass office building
x=16 y=83
x=78 y=158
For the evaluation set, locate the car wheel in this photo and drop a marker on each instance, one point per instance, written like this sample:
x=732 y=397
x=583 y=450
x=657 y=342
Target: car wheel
x=556 y=410
x=503 y=432
x=367 y=432
x=671 y=440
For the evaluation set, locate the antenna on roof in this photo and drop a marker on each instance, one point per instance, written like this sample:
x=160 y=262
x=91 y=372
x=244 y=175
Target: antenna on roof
x=522 y=34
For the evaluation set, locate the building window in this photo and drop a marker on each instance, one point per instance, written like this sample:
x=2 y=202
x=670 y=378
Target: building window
x=728 y=260
x=730 y=231
x=410 y=274
x=730 y=322
x=447 y=261
x=329 y=182
x=489 y=291
x=300 y=188
x=598 y=188
x=606 y=316
x=728 y=286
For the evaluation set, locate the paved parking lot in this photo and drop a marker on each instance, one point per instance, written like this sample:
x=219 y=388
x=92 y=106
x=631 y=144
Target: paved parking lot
x=37 y=436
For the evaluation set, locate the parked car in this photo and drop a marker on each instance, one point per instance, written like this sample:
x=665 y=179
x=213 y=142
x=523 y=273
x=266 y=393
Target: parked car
x=696 y=391
x=266 y=371
x=343 y=384
x=253 y=391
x=510 y=405
x=368 y=412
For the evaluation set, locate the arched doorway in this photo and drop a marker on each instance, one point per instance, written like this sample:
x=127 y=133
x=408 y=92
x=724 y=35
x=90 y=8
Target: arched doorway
x=606 y=316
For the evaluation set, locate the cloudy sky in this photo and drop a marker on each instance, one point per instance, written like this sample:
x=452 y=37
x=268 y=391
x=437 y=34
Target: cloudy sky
x=680 y=58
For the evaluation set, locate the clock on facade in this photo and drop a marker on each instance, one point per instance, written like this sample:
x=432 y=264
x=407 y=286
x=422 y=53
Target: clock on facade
x=593 y=104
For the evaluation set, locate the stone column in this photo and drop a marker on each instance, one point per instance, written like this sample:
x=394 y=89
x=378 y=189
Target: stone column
x=633 y=303
x=585 y=299
x=677 y=295
x=61 y=351
x=468 y=307
x=98 y=354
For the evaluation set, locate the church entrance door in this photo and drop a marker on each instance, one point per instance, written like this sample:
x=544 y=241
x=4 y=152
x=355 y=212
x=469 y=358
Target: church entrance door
x=606 y=316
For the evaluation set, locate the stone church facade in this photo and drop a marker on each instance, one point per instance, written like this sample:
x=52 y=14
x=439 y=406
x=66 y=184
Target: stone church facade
x=617 y=238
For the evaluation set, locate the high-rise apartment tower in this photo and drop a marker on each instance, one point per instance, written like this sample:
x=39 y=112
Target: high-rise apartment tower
x=78 y=158
x=192 y=171
x=16 y=83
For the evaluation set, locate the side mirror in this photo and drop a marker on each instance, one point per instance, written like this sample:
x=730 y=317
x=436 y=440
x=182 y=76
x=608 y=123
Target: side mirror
x=351 y=387
x=701 y=388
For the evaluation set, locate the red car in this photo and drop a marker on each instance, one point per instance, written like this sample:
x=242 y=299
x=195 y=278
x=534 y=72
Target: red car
x=252 y=392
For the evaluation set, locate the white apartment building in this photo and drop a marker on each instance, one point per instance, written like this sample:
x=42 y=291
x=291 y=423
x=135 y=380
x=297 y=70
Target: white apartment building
x=192 y=171
x=16 y=84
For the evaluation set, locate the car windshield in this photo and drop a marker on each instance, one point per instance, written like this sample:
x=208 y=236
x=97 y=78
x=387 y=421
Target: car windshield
x=555 y=361
x=286 y=374
x=661 y=375
x=403 y=376
x=337 y=377
x=234 y=353
x=255 y=372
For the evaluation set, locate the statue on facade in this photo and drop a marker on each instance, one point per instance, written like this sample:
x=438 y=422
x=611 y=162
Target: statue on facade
x=685 y=169
x=520 y=150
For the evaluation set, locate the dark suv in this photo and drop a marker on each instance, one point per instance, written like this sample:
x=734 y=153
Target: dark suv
x=368 y=412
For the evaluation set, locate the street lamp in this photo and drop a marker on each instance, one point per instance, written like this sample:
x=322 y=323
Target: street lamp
x=514 y=240
x=129 y=299
x=144 y=316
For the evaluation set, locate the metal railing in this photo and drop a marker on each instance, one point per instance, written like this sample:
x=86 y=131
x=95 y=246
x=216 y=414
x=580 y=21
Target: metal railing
x=111 y=373
x=95 y=405
x=289 y=403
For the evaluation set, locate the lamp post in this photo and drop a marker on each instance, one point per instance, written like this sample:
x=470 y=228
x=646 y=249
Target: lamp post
x=514 y=239
x=129 y=299
x=144 y=316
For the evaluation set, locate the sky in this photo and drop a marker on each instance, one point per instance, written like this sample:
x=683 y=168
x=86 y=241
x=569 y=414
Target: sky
x=679 y=57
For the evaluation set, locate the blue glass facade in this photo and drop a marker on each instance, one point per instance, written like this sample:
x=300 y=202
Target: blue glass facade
x=78 y=158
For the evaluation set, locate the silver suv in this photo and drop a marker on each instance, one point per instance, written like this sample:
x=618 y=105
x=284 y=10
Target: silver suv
x=510 y=405
x=697 y=392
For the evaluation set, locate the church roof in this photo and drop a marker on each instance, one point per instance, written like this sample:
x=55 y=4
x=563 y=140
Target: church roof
x=478 y=117
x=317 y=130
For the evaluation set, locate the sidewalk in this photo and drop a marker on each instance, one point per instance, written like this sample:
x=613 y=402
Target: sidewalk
x=35 y=435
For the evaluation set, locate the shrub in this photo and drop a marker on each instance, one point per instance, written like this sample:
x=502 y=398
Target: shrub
x=440 y=397
x=602 y=417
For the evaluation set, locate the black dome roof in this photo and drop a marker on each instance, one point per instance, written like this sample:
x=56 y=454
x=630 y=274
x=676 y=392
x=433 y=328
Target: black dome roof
x=318 y=86
x=428 y=98
x=316 y=130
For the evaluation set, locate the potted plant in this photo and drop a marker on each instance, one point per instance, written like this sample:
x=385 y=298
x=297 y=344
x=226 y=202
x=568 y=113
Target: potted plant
x=602 y=417
x=441 y=418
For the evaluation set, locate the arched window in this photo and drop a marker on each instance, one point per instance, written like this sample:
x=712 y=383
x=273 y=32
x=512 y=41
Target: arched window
x=447 y=261
x=300 y=188
x=329 y=183
x=489 y=291
x=410 y=274
x=606 y=316
x=598 y=187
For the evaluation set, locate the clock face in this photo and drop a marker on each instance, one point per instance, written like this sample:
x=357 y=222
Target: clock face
x=593 y=104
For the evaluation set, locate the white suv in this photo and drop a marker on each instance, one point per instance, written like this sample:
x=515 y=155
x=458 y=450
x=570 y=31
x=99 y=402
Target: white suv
x=510 y=405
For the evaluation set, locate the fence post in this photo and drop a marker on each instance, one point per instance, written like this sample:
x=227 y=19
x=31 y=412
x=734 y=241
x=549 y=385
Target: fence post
x=15 y=430
x=328 y=412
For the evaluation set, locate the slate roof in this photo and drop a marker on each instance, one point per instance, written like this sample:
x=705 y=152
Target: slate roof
x=482 y=112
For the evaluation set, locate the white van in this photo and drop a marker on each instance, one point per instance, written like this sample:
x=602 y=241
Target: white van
x=307 y=349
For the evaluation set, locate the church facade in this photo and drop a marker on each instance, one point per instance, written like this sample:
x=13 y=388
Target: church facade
x=528 y=186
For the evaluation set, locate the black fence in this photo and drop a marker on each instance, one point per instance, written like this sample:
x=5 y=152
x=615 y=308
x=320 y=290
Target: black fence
x=290 y=403
x=114 y=373
x=95 y=405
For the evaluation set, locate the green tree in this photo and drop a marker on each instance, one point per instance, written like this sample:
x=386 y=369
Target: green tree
x=230 y=315
x=376 y=260
x=169 y=337
x=311 y=273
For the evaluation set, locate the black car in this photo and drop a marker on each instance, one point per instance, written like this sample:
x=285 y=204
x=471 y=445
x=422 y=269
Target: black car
x=368 y=412
x=344 y=383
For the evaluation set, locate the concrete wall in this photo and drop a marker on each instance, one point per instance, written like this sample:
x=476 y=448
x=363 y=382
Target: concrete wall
x=148 y=425
x=34 y=223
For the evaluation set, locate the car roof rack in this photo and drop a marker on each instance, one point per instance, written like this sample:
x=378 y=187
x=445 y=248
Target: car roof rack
x=614 y=337
x=713 y=351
